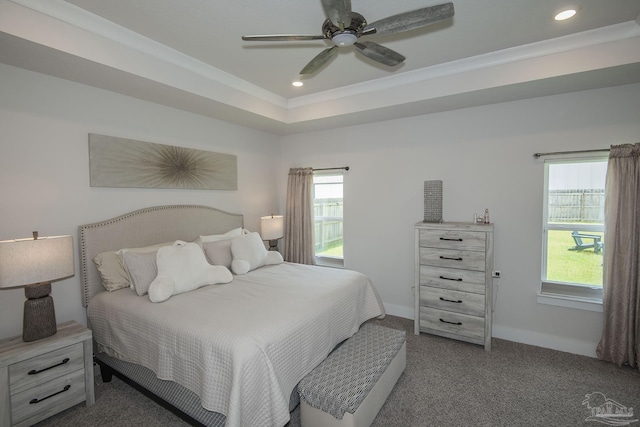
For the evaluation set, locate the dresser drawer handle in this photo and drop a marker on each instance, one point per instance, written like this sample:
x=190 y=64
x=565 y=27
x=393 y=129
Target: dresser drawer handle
x=32 y=401
x=449 y=278
x=453 y=259
x=34 y=371
x=450 y=300
x=451 y=323
x=451 y=240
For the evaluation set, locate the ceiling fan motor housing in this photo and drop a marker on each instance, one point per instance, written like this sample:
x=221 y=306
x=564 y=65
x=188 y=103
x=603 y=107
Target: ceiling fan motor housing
x=349 y=35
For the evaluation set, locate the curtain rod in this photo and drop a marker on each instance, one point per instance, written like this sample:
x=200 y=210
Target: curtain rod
x=332 y=169
x=537 y=155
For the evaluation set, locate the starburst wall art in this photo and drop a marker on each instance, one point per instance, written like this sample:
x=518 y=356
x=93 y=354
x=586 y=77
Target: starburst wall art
x=119 y=162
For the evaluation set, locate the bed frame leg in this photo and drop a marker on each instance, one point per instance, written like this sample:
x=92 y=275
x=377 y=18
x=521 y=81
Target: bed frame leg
x=105 y=372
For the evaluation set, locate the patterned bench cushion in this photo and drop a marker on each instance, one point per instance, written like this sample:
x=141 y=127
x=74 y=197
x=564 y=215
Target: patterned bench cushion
x=344 y=379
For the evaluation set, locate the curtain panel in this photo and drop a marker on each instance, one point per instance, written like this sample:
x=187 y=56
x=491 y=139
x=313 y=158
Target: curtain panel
x=299 y=217
x=620 y=342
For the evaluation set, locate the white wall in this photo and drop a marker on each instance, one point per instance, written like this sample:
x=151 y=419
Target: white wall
x=44 y=167
x=484 y=157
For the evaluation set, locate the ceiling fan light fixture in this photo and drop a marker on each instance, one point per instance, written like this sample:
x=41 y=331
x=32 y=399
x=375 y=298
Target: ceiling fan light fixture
x=297 y=83
x=344 y=39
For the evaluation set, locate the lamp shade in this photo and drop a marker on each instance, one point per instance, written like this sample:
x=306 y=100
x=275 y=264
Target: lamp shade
x=28 y=261
x=271 y=227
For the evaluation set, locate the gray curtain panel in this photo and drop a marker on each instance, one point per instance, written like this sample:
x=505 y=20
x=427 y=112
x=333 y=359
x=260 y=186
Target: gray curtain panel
x=620 y=342
x=299 y=217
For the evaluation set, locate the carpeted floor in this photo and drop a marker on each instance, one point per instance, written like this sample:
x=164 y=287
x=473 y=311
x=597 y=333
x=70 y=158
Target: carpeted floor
x=446 y=383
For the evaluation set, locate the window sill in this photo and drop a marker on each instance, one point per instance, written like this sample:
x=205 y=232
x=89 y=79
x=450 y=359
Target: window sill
x=330 y=262
x=588 y=304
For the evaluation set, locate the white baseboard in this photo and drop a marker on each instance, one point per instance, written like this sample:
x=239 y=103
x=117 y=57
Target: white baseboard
x=398 y=310
x=584 y=348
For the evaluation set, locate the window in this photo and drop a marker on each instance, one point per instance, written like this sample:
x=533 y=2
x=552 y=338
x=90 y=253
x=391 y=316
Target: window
x=573 y=228
x=327 y=209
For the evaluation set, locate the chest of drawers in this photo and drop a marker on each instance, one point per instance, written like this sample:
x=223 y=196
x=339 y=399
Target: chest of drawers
x=453 y=282
x=41 y=378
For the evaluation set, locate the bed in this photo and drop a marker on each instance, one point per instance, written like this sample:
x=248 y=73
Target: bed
x=224 y=354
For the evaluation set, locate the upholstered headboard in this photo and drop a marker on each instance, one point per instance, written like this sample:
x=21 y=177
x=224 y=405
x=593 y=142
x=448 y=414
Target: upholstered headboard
x=146 y=227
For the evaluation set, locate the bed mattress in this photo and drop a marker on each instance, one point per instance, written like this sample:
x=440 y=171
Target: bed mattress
x=242 y=346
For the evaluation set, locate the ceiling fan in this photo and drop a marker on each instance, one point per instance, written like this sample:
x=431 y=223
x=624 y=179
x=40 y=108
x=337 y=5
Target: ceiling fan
x=344 y=27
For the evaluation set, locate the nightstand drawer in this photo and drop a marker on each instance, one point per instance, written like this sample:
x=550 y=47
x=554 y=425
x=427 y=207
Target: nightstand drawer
x=459 y=302
x=42 y=368
x=58 y=394
x=451 y=258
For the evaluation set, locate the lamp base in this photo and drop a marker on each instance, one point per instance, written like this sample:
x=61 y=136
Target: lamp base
x=39 y=319
x=273 y=245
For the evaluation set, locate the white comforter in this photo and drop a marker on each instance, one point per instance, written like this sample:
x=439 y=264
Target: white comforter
x=242 y=347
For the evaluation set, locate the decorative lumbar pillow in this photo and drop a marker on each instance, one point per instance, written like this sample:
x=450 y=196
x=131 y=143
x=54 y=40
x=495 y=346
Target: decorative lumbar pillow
x=183 y=267
x=249 y=253
x=142 y=269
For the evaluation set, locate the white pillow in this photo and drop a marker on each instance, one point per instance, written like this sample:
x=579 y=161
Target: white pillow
x=112 y=274
x=182 y=268
x=219 y=252
x=249 y=253
x=215 y=237
x=111 y=267
x=142 y=269
x=145 y=249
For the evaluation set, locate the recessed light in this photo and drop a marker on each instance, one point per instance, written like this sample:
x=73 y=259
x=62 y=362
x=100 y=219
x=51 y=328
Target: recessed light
x=565 y=14
x=297 y=83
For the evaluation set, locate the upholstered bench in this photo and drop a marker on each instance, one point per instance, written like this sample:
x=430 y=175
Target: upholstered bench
x=350 y=386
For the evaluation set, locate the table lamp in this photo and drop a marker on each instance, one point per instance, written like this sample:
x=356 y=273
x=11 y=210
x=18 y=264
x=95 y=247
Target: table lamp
x=271 y=229
x=34 y=264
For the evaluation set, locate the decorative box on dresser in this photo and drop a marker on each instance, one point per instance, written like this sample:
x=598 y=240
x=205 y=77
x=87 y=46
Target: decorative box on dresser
x=41 y=378
x=453 y=280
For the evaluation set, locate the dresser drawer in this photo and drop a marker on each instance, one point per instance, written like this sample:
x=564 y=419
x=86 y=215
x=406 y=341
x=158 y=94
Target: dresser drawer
x=433 y=320
x=59 y=393
x=42 y=368
x=453 y=239
x=459 y=302
x=454 y=279
x=451 y=258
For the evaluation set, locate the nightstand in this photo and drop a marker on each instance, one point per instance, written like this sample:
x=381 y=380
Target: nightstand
x=41 y=378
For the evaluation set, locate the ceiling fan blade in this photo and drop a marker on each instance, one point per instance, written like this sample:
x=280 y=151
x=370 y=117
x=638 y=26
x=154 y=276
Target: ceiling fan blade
x=282 y=37
x=379 y=53
x=411 y=20
x=338 y=11
x=321 y=59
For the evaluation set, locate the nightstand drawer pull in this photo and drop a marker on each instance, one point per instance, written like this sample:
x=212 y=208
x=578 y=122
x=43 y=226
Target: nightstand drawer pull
x=451 y=240
x=450 y=300
x=32 y=401
x=451 y=323
x=449 y=278
x=453 y=259
x=34 y=371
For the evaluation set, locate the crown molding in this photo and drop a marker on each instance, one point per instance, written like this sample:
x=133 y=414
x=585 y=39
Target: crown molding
x=80 y=18
x=613 y=33
x=57 y=38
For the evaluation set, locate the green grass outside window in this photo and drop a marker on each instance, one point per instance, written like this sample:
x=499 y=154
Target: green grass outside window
x=570 y=266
